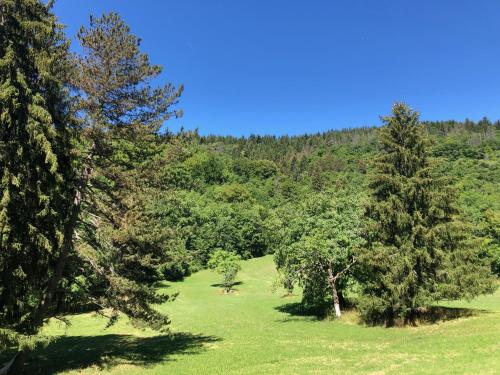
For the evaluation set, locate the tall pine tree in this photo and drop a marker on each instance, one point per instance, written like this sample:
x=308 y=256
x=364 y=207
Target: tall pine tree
x=122 y=113
x=417 y=251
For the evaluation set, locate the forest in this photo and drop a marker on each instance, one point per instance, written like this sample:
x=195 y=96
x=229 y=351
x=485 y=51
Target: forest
x=108 y=215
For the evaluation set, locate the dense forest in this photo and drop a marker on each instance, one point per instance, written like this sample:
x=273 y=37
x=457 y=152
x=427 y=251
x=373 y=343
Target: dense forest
x=99 y=206
x=274 y=176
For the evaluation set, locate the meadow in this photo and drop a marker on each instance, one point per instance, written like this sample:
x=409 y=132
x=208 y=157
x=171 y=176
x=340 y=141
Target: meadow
x=256 y=330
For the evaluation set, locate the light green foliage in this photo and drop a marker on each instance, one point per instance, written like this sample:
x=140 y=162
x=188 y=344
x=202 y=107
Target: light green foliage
x=233 y=193
x=318 y=239
x=201 y=224
x=241 y=211
x=248 y=168
x=489 y=230
x=227 y=264
x=479 y=197
x=207 y=168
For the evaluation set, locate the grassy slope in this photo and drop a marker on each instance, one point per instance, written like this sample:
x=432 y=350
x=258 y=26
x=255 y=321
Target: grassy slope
x=246 y=333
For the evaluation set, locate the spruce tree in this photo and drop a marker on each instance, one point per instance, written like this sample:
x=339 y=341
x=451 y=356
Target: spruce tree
x=417 y=251
x=36 y=166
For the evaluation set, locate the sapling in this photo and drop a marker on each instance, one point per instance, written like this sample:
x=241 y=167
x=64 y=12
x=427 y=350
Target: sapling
x=227 y=264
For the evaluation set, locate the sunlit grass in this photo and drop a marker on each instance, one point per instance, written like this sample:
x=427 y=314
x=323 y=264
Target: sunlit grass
x=251 y=332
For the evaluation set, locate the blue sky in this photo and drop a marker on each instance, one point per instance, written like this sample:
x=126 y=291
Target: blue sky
x=291 y=67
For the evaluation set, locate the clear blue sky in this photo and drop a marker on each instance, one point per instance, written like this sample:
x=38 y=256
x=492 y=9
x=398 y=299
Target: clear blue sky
x=290 y=67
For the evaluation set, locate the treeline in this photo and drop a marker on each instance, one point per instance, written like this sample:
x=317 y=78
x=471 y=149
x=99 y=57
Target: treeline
x=236 y=200
x=285 y=149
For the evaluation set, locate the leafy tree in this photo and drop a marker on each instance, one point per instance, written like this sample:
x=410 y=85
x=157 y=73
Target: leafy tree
x=227 y=264
x=416 y=253
x=318 y=252
x=264 y=169
x=490 y=235
x=242 y=228
x=249 y=168
x=233 y=193
x=207 y=168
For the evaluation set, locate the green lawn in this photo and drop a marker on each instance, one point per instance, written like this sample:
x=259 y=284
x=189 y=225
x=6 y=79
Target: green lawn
x=255 y=331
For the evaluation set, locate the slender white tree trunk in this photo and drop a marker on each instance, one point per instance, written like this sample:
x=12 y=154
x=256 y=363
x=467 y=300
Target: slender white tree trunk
x=336 y=302
x=338 y=314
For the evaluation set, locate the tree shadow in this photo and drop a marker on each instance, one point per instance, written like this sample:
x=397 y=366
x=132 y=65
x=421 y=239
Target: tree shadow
x=436 y=314
x=297 y=309
x=106 y=351
x=423 y=316
x=220 y=285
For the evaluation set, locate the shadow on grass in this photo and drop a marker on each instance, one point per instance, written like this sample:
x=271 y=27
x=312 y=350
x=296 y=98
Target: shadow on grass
x=424 y=316
x=436 y=314
x=220 y=285
x=78 y=352
x=297 y=309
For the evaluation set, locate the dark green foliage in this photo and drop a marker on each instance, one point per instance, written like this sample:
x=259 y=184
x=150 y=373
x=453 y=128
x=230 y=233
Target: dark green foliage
x=241 y=228
x=121 y=246
x=115 y=78
x=36 y=168
x=417 y=251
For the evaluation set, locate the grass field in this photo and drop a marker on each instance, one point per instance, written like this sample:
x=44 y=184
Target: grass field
x=256 y=331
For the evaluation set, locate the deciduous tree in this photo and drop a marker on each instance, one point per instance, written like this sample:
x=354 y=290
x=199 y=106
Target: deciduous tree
x=227 y=264
x=318 y=250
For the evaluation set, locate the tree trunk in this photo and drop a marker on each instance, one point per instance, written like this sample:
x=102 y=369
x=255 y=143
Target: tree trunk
x=336 y=302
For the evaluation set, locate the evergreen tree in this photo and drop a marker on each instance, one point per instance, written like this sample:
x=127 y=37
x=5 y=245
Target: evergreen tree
x=416 y=253
x=37 y=183
x=65 y=181
x=122 y=113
